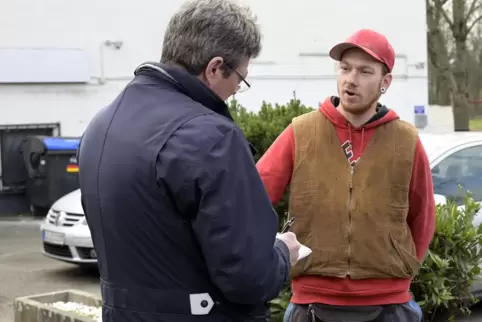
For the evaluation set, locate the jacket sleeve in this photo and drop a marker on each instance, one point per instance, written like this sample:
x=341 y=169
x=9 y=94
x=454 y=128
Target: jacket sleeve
x=276 y=165
x=236 y=224
x=421 y=214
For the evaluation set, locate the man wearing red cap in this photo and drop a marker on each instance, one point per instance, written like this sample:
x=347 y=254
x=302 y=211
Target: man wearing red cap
x=361 y=192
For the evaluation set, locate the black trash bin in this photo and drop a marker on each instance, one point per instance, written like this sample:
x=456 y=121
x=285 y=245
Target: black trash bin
x=52 y=169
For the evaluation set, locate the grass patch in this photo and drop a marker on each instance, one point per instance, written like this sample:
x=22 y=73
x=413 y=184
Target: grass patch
x=476 y=124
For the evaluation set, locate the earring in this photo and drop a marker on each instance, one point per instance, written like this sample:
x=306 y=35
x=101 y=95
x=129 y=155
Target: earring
x=383 y=89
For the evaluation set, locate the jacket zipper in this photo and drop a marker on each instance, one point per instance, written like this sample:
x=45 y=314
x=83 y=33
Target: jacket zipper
x=350 y=190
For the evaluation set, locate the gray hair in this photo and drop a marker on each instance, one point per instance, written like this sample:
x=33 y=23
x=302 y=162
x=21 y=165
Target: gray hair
x=204 y=29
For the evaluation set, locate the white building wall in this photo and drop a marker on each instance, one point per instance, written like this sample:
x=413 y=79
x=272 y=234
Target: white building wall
x=73 y=106
x=441 y=119
x=291 y=28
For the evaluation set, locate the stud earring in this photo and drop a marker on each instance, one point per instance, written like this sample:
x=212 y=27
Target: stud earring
x=383 y=89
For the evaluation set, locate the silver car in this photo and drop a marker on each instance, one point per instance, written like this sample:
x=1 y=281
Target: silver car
x=65 y=234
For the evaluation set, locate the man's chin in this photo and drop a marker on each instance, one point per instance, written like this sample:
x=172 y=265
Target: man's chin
x=355 y=109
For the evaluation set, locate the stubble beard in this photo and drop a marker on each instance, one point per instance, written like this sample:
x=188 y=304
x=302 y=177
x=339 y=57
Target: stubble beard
x=359 y=109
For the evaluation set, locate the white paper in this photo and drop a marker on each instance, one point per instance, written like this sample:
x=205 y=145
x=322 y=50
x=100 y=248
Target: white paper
x=303 y=252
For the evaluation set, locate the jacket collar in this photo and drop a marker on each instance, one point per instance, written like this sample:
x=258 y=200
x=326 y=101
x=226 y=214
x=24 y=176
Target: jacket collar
x=190 y=85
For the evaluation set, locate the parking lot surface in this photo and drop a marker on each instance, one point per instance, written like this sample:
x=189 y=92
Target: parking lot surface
x=25 y=271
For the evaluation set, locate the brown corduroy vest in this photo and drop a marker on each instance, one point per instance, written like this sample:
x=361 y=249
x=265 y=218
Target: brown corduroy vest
x=353 y=218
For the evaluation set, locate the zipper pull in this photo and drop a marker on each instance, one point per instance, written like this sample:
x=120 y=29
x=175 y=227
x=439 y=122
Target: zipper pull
x=313 y=317
x=350 y=183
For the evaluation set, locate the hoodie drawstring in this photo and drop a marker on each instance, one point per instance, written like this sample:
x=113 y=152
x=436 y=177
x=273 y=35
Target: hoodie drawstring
x=362 y=135
x=349 y=133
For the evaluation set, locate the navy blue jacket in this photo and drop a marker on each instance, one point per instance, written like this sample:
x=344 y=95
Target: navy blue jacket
x=175 y=205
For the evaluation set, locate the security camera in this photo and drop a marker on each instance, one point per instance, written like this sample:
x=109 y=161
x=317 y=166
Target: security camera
x=116 y=44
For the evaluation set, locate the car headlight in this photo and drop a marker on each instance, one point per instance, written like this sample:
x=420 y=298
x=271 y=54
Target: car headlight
x=48 y=216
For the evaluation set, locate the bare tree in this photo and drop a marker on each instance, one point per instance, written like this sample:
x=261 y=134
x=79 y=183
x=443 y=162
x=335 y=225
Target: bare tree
x=474 y=66
x=461 y=18
x=438 y=54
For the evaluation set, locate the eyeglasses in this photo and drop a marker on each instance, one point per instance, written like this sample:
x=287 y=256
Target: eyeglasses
x=243 y=85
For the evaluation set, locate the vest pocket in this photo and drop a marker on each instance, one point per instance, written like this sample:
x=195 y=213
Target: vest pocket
x=410 y=263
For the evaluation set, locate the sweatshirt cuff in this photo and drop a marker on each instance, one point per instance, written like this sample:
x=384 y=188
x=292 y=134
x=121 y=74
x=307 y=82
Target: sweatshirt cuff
x=284 y=252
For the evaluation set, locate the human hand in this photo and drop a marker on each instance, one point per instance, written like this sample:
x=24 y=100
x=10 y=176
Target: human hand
x=293 y=245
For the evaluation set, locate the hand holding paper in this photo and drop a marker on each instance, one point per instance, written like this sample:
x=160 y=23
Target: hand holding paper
x=304 y=252
x=297 y=250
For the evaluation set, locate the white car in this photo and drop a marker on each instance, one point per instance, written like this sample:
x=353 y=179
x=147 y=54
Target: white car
x=65 y=234
x=455 y=158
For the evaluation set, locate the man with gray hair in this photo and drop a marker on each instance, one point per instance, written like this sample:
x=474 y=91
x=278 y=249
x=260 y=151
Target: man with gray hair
x=182 y=225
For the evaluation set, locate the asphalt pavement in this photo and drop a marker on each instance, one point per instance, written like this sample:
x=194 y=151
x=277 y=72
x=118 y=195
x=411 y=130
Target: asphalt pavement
x=25 y=271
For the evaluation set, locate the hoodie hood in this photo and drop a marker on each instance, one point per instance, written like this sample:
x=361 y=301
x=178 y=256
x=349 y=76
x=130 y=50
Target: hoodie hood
x=382 y=116
x=354 y=140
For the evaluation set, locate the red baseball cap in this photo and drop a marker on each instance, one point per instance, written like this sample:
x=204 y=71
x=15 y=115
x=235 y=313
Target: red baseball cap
x=371 y=42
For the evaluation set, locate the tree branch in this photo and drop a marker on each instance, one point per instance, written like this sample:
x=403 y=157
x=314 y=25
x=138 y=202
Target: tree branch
x=441 y=2
x=472 y=9
x=472 y=25
x=446 y=17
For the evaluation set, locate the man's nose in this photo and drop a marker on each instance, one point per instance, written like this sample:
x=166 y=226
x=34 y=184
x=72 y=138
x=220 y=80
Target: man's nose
x=352 y=78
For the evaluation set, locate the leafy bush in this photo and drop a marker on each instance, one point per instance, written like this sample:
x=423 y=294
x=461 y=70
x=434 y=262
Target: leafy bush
x=263 y=127
x=279 y=304
x=442 y=286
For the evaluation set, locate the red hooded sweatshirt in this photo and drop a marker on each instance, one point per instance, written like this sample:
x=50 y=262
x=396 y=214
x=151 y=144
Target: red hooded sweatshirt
x=276 y=167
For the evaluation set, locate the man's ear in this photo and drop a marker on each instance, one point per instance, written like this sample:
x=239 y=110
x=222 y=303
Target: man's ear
x=387 y=81
x=213 y=66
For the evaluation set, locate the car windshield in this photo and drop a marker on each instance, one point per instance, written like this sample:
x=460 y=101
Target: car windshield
x=457 y=172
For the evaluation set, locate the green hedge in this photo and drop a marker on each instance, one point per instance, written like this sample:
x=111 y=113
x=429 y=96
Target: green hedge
x=442 y=287
x=263 y=127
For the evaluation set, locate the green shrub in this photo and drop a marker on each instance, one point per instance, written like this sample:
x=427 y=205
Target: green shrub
x=442 y=287
x=278 y=305
x=263 y=127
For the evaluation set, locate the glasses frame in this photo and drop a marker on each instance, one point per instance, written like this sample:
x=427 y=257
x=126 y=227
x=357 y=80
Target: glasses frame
x=241 y=79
